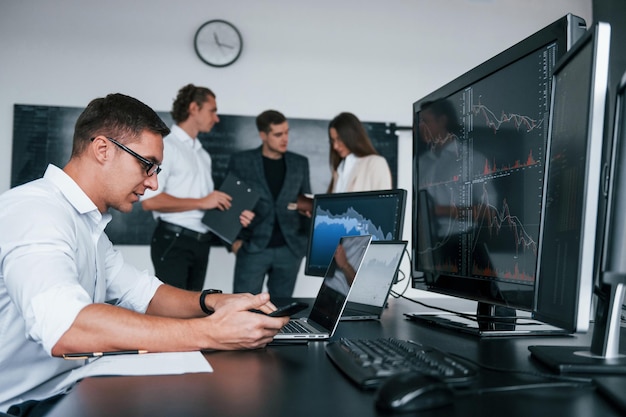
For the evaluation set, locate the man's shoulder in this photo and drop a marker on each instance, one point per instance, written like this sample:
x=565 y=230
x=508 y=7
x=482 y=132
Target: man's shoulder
x=247 y=154
x=35 y=188
x=39 y=201
x=297 y=157
x=172 y=141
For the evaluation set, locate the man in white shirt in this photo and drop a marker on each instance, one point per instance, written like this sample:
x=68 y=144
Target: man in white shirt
x=65 y=289
x=181 y=243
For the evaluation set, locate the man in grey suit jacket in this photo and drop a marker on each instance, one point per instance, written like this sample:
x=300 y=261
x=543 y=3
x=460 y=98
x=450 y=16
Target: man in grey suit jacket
x=276 y=240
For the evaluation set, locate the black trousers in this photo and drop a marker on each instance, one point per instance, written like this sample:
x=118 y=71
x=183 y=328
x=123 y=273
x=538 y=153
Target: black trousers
x=179 y=260
x=34 y=408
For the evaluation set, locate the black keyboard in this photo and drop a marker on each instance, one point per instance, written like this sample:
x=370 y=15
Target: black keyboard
x=368 y=362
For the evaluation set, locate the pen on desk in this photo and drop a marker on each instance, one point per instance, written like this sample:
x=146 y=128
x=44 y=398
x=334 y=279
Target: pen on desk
x=88 y=355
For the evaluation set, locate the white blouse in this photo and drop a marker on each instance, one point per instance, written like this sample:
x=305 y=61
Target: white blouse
x=344 y=169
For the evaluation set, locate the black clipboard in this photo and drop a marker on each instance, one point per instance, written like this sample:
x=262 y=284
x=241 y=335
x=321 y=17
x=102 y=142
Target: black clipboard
x=225 y=224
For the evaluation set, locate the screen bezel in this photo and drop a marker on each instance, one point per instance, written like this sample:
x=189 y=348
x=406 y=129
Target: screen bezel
x=562 y=33
x=398 y=193
x=575 y=315
x=615 y=238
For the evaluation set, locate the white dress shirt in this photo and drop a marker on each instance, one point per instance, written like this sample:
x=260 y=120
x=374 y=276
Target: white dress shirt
x=186 y=174
x=55 y=259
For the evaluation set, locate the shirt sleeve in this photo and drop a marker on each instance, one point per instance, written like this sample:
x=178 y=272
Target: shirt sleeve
x=132 y=288
x=51 y=270
x=40 y=276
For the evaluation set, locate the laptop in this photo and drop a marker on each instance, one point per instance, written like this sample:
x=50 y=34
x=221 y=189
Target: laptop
x=377 y=274
x=331 y=299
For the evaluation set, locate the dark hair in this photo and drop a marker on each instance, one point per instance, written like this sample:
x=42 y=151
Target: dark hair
x=187 y=95
x=352 y=134
x=117 y=116
x=268 y=118
x=444 y=108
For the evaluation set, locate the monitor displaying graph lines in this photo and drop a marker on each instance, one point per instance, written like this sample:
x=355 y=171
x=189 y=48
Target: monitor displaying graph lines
x=479 y=149
x=376 y=213
x=483 y=170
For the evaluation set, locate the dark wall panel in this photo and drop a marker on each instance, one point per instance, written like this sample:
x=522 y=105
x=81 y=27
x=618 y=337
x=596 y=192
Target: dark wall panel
x=43 y=135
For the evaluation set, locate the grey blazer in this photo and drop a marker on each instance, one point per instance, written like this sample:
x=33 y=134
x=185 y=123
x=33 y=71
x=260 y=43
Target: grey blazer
x=248 y=166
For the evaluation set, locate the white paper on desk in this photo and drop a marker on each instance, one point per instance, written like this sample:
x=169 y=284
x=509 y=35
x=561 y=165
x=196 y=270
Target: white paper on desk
x=166 y=363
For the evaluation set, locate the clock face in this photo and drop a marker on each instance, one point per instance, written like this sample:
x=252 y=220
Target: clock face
x=218 y=43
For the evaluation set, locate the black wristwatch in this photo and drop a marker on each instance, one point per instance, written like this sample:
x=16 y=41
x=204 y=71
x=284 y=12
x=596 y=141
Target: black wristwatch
x=203 y=294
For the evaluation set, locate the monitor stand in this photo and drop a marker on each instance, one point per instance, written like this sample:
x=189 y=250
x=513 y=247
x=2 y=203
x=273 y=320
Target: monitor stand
x=603 y=357
x=489 y=321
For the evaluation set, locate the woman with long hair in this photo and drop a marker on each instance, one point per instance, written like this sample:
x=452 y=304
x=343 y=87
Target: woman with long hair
x=354 y=162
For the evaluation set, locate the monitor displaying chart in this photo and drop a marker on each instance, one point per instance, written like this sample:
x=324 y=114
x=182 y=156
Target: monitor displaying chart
x=376 y=213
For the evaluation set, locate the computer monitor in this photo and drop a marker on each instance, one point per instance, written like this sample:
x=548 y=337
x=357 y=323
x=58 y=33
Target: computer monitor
x=479 y=151
x=376 y=213
x=611 y=286
x=574 y=221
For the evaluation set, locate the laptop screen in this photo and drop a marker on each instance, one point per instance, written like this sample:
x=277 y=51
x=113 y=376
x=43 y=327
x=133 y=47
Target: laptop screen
x=377 y=273
x=338 y=279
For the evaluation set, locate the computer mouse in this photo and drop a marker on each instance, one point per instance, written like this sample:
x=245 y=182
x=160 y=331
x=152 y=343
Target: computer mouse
x=413 y=391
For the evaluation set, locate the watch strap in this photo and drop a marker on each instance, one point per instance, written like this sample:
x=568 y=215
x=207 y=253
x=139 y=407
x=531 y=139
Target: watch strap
x=203 y=294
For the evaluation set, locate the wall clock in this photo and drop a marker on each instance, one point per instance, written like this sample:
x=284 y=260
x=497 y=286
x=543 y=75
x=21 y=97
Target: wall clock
x=218 y=43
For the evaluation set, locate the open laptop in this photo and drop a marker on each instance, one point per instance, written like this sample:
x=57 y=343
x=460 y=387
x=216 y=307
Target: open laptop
x=333 y=294
x=378 y=271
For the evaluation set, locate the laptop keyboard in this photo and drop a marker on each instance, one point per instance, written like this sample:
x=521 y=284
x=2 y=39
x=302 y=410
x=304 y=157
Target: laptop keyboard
x=293 y=326
x=368 y=362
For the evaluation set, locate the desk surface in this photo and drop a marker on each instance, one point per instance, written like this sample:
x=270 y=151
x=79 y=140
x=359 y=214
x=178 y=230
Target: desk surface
x=300 y=380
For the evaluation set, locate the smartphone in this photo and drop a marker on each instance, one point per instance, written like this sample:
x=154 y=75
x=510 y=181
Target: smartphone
x=289 y=309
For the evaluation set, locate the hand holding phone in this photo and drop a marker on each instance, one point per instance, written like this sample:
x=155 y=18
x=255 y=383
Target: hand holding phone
x=286 y=310
x=289 y=309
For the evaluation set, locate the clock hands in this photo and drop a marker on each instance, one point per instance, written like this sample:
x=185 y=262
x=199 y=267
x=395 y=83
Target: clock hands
x=220 y=44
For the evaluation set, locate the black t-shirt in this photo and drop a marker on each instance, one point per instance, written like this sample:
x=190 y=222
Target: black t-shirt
x=275 y=170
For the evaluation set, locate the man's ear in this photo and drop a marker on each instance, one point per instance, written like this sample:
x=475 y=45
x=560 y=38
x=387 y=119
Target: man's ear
x=100 y=149
x=193 y=108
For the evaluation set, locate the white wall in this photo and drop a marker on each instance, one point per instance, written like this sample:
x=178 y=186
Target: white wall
x=307 y=59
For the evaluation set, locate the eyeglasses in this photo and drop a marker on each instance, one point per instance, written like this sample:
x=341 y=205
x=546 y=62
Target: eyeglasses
x=151 y=167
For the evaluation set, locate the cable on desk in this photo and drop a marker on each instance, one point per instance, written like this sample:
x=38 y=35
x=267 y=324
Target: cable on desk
x=513 y=388
x=560 y=378
x=393 y=293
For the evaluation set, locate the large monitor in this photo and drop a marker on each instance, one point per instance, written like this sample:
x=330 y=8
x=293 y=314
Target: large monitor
x=376 y=213
x=478 y=168
x=573 y=220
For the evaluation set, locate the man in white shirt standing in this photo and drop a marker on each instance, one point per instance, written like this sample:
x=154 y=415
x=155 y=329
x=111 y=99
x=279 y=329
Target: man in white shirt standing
x=181 y=243
x=64 y=288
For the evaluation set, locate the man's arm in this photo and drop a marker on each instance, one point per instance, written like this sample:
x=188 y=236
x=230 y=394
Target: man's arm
x=103 y=327
x=167 y=203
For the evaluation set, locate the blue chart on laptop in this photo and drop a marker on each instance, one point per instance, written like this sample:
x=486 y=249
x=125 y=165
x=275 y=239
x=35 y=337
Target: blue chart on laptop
x=376 y=213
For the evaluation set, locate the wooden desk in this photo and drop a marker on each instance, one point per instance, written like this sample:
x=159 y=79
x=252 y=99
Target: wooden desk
x=301 y=381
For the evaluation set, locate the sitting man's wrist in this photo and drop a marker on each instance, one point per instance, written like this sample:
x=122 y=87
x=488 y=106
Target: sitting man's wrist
x=203 y=306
